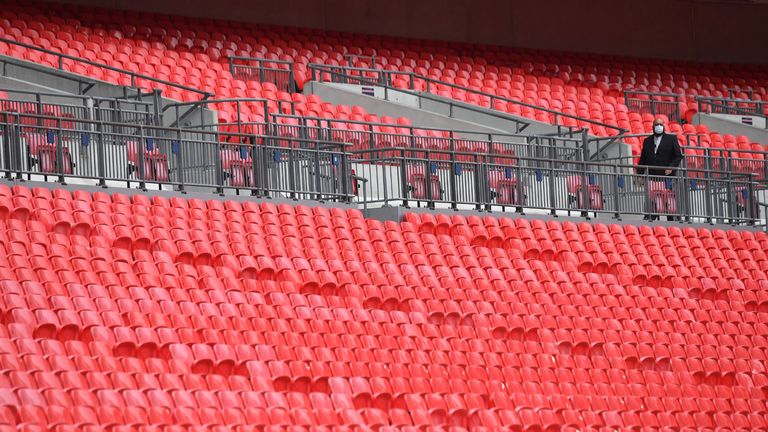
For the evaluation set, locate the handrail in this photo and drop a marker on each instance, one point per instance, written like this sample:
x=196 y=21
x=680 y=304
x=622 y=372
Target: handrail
x=432 y=177
x=411 y=127
x=259 y=163
x=692 y=147
x=197 y=104
x=519 y=124
x=264 y=73
x=11 y=114
x=264 y=149
x=657 y=103
x=165 y=129
x=351 y=57
x=133 y=75
x=730 y=175
x=723 y=104
x=70 y=96
x=649 y=93
x=262 y=59
x=413 y=76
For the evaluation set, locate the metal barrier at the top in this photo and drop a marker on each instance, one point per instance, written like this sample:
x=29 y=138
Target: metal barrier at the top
x=233 y=115
x=667 y=104
x=134 y=79
x=465 y=180
x=697 y=154
x=315 y=168
x=76 y=107
x=118 y=154
x=277 y=72
x=370 y=135
x=354 y=60
x=730 y=106
x=385 y=78
x=422 y=86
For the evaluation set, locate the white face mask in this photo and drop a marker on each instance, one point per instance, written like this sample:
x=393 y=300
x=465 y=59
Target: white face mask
x=658 y=129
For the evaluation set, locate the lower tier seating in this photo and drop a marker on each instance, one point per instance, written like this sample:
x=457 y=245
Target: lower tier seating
x=148 y=313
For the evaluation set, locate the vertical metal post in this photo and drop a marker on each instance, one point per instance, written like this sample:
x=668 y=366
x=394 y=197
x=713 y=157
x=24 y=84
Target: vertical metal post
x=157 y=101
x=217 y=166
x=6 y=133
x=345 y=177
x=585 y=198
x=59 y=153
x=403 y=178
x=318 y=185
x=708 y=185
x=751 y=205
x=519 y=191
x=259 y=166
x=615 y=186
x=292 y=169
x=551 y=183
x=180 y=160
x=452 y=177
x=730 y=198
x=481 y=187
x=140 y=150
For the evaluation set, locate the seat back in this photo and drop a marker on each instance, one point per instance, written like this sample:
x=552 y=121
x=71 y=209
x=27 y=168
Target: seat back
x=47 y=158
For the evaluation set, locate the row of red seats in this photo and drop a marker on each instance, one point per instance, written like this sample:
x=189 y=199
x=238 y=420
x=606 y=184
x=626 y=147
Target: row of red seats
x=228 y=314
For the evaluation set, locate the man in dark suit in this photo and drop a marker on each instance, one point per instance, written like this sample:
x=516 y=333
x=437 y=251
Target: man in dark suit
x=661 y=150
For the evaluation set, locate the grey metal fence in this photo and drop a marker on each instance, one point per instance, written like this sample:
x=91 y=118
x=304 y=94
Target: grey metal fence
x=118 y=153
x=135 y=80
x=731 y=106
x=411 y=83
x=209 y=114
x=371 y=135
x=313 y=168
x=277 y=72
x=356 y=59
x=71 y=108
x=450 y=179
x=667 y=104
x=697 y=155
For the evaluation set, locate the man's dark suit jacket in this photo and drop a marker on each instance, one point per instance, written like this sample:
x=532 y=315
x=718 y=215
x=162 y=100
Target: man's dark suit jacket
x=668 y=155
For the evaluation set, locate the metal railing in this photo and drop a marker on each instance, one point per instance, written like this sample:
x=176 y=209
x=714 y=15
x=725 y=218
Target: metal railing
x=317 y=169
x=264 y=70
x=352 y=59
x=134 y=78
x=108 y=154
x=386 y=79
x=370 y=135
x=192 y=115
x=733 y=92
x=667 y=104
x=74 y=107
x=695 y=156
x=456 y=180
x=738 y=107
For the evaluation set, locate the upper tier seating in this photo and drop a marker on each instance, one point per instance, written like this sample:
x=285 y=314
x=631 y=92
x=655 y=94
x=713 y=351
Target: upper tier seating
x=195 y=52
x=120 y=313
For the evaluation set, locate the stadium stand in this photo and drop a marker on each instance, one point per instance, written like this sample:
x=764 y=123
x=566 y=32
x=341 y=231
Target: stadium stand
x=189 y=308
x=204 y=54
x=126 y=312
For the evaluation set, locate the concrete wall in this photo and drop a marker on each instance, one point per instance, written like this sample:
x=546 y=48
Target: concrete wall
x=698 y=30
